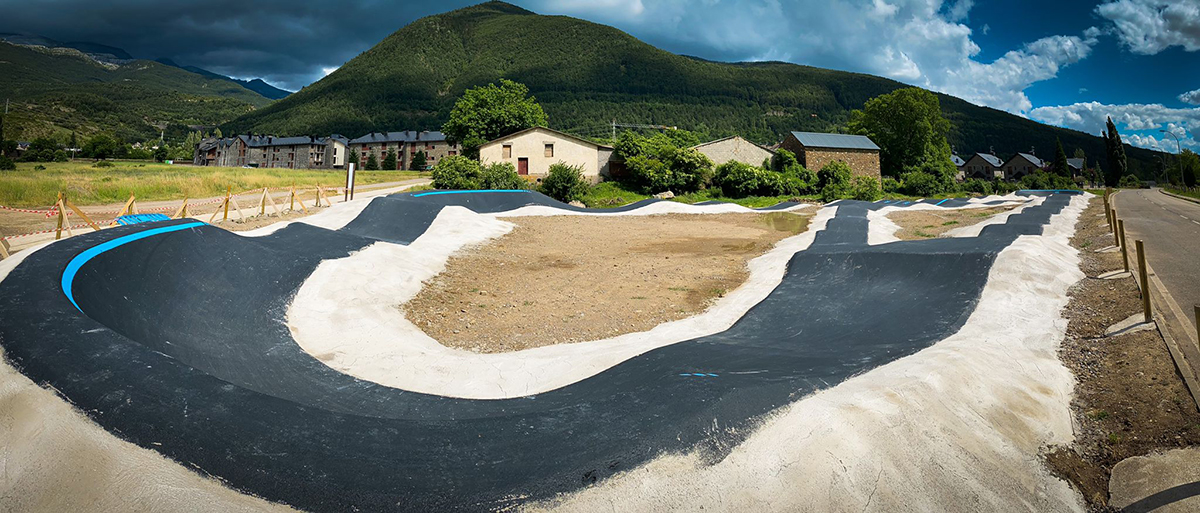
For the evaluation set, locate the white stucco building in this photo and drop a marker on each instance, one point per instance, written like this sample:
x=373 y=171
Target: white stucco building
x=532 y=151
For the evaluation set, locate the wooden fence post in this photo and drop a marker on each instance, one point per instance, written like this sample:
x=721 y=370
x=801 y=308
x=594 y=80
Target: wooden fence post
x=228 y=193
x=124 y=209
x=1117 y=221
x=4 y=253
x=1141 y=254
x=1124 y=244
x=62 y=216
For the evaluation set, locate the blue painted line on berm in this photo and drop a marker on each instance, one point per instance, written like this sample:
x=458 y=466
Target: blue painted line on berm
x=76 y=263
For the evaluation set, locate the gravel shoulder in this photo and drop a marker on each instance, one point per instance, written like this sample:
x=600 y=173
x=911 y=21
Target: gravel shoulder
x=564 y=279
x=1129 y=399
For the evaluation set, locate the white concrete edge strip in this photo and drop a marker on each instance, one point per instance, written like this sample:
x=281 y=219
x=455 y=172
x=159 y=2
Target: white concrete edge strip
x=957 y=426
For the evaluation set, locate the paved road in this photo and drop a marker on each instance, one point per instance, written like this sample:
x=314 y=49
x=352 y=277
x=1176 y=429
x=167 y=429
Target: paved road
x=1171 y=229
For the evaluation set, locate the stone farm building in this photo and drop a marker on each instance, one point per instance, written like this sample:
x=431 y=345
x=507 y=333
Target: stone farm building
x=406 y=145
x=272 y=152
x=532 y=151
x=736 y=148
x=815 y=150
x=983 y=165
x=1020 y=165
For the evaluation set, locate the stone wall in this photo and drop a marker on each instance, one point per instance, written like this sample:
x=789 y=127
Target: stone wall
x=861 y=162
x=734 y=148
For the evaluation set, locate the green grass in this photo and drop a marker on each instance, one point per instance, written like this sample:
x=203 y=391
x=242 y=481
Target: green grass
x=1193 y=193
x=88 y=185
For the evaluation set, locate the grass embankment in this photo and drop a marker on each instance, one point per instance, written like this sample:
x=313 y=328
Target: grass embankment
x=1194 y=192
x=89 y=185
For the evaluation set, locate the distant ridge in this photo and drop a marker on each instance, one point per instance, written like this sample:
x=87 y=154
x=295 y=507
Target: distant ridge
x=585 y=75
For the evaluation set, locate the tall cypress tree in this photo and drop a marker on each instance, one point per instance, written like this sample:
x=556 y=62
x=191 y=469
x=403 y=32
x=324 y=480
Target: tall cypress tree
x=1117 y=164
x=1060 y=160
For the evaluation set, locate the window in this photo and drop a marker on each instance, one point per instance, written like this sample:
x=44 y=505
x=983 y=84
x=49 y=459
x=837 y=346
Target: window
x=452 y=153
x=428 y=146
x=506 y=151
x=549 y=149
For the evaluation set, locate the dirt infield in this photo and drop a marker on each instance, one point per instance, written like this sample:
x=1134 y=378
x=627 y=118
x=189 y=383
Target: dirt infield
x=927 y=224
x=565 y=279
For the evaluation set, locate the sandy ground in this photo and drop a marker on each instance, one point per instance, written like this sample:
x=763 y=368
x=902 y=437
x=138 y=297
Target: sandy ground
x=1129 y=400
x=566 y=279
x=926 y=224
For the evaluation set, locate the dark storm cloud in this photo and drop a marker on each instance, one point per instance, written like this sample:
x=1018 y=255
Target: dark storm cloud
x=286 y=42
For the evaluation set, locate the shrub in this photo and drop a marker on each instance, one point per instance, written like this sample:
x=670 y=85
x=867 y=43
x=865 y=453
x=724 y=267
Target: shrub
x=783 y=160
x=7 y=164
x=977 y=186
x=737 y=180
x=920 y=183
x=647 y=175
x=60 y=156
x=690 y=170
x=865 y=188
x=39 y=167
x=457 y=172
x=501 y=175
x=1002 y=187
x=891 y=185
x=160 y=153
x=1130 y=181
x=833 y=181
x=564 y=183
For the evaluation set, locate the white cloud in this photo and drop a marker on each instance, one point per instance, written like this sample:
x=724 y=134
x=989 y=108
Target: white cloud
x=1090 y=117
x=920 y=42
x=1190 y=97
x=1148 y=27
x=326 y=71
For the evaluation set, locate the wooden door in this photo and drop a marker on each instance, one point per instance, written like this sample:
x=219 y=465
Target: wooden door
x=522 y=166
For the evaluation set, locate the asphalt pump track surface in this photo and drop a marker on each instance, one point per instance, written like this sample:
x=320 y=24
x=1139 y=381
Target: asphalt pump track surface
x=172 y=335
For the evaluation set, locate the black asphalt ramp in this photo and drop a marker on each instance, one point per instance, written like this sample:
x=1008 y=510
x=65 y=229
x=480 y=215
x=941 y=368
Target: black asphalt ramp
x=180 y=344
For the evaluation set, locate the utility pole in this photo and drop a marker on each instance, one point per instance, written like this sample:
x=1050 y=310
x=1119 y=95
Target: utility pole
x=1178 y=151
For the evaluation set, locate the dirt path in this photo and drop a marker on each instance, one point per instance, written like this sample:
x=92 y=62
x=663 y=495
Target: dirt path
x=927 y=224
x=1129 y=399
x=569 y=279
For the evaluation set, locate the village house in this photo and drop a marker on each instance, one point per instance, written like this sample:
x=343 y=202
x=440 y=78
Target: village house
x=815 y=150
x=1020 y=165
x=406 y=145
x=272 y=152
x=533 y=150
x=984 y=166
x=960 y=166
x=734 y=148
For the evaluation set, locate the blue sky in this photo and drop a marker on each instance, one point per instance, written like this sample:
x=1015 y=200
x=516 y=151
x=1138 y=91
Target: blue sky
x=1064 y=62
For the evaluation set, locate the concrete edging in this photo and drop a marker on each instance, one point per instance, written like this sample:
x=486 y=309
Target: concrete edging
x=1184 y=198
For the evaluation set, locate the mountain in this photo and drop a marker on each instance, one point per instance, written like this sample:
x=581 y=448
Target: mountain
x=257 y=85
x=99 y=52
x=585 y=75
x=57 y=90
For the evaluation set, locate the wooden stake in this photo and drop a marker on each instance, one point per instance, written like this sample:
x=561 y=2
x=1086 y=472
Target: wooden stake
x=1124 y=244
x=301 y=200
x=124 y=209
x=1117 y=220
x=81 y=214
x=182 y=212
x=228 y=194
x=271 y=200
x=4 y=253
x=262 y=202
x=1141 y=254
x=233 y=199
x=292 y=204
x=61 y=217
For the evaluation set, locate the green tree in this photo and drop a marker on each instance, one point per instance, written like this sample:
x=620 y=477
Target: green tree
x=418 y=161
x=352 y=158
x=834 y=180
x=100 y=147
x=217 y=133
x=389 y=161
x=1060 y=160
x=74 y=140
x=1190 y=162
x=372 y=162
x=2 y=134
x=7 y=164
x=160 y=153
x=910 y=130
x=489 y=112
x=564 y=183
x=457 y=172
x=1118 y=165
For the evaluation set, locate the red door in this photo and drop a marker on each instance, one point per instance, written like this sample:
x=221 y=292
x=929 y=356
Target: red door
x=522 y=166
